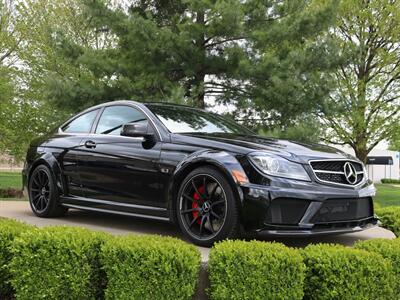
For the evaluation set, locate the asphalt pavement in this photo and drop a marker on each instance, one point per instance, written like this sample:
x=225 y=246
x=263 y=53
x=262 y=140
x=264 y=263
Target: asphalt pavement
x=122 y=225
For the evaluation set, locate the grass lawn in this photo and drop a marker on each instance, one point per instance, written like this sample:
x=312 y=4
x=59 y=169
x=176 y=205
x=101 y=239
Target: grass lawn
x=10 y=180
x=387 y=194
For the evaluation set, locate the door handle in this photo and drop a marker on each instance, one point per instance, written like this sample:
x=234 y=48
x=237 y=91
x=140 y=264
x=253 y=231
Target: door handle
x=90 y=144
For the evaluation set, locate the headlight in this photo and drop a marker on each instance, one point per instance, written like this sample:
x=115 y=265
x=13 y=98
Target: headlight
x=278 y=166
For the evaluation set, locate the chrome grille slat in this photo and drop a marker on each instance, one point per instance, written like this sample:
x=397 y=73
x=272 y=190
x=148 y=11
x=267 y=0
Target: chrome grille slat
x=332 y=171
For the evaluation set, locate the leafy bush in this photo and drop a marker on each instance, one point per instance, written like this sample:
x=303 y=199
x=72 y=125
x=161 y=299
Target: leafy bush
x=390 y=218
x=150 y=267
x=338 y=272
x=11 y=193
x=255 y=270
x=389 y=180
x=9 y=230
x=389 y=249
x=58 y=263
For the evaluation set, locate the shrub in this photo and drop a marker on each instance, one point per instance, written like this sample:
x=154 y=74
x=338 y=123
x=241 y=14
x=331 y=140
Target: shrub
x=390 y=218
x=9 y=230
x=338 y=272
x=58 y=263
x=389 y=180
x=150 y=267
x=389 y=249
x=255 y=270
x=11 y=193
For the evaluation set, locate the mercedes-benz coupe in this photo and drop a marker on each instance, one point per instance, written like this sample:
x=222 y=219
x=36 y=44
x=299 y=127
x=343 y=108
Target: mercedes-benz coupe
x=211 y=176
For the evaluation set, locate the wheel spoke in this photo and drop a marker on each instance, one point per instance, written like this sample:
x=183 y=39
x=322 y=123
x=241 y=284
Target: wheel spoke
x=215 y=215
x=35 y=181
x=202 y=224
x=205 y=187
x=194 y=221
x=188 y=197
x=213 y=191
x=186 y=211
x=217 y=202
x=196 y=190
x=211 y=224
x=41 y=178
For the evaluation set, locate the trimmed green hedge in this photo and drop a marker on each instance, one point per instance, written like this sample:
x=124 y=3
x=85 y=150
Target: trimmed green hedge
x=389 y=180
x=255 y=270
x=150 y=267
x=338 y=272
x=58 y=263
x=389 y=249
x=9 y=230
x=390 y=218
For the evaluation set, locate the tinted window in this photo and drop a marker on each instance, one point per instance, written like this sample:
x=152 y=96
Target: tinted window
x=82 y=124
x=113 y=117
x=186 y=120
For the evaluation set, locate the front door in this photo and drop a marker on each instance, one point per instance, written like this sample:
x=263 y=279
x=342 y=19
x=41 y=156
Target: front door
x=115 y=168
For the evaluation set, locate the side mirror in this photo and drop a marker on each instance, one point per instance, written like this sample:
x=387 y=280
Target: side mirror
x=139 y=129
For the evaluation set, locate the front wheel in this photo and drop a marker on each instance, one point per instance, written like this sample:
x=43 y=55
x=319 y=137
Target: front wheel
x=207 y=210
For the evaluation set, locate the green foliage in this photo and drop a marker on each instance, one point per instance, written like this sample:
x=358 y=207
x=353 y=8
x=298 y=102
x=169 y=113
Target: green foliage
x=337 y=272
x=256 y=54
x=367 y=89
x=150 y=267
x=306 y=130
x=390 y=218
x=389 y=180
x=58 y=263
x=9 y=231
x=389 y=249
x=255 y=270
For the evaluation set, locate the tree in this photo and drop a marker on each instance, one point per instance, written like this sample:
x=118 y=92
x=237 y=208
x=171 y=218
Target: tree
x=367 y=89
x=23 y=114
x=394 y=142
x=305 y=129
x=187 y=51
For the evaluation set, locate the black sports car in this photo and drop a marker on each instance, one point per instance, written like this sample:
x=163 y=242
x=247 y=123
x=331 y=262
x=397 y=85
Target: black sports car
x=210 y=175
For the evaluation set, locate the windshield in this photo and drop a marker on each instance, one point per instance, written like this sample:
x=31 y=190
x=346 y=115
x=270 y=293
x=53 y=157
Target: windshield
x=181 y=119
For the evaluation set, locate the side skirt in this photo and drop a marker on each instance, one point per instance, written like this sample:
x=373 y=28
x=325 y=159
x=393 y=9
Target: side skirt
x=126 y=209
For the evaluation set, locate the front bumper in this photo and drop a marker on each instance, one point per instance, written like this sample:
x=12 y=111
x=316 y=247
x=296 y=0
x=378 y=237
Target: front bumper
x=293 y=208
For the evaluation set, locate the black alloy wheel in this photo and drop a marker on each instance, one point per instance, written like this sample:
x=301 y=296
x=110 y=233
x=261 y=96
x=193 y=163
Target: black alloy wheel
x=207 y=210
x=40 y=190
x=43 y=195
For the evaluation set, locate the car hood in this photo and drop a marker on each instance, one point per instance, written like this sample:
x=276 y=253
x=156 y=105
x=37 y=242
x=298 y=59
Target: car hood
x=295 y=151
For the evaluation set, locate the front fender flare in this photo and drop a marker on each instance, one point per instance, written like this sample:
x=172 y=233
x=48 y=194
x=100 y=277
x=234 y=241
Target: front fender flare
x=225 y=162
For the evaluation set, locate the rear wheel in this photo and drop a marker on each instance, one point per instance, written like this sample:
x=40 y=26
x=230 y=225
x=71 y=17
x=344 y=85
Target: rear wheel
x=43 y=194
x=207 y=209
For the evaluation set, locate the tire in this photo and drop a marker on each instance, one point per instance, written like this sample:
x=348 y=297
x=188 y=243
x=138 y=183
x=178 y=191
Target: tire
x=207 y=210
x=43 y=194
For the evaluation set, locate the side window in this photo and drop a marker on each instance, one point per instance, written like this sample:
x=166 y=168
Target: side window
x=113 y=117
x=82 y=124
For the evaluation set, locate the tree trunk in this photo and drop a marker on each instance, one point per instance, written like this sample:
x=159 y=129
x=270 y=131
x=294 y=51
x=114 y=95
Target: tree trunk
x=361 y=152
x=198 y=85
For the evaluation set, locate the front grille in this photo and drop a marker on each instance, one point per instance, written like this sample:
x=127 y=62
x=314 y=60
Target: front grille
x=337 y=210
x=338 y=171
x=286 y=211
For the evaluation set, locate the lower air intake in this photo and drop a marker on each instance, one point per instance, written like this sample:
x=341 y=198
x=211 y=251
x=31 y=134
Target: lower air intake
x=336 y=210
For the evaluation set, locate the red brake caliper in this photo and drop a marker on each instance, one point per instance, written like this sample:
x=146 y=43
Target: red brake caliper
x=195 y=203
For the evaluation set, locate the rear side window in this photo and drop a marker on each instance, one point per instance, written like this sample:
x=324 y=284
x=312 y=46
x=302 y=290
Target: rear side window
x=114 y=117
x=81 y=124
